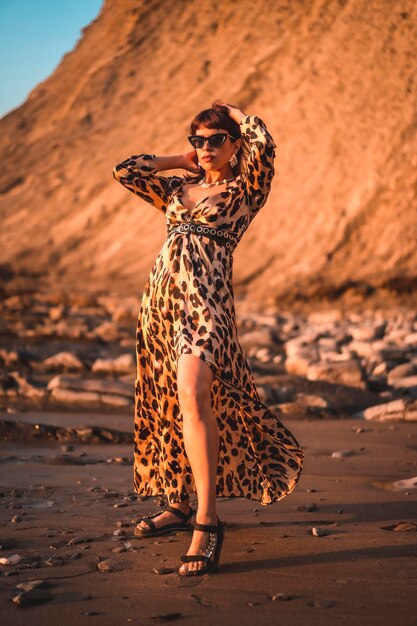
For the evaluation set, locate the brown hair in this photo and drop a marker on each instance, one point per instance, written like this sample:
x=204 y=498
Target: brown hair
x=218 y=117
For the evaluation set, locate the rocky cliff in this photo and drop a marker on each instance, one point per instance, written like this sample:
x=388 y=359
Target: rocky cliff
x=335 y=82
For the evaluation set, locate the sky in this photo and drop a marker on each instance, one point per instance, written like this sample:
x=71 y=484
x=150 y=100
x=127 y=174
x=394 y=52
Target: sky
x=34 y=36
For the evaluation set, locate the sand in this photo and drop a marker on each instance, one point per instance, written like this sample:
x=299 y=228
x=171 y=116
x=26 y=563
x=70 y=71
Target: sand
x=272 y=568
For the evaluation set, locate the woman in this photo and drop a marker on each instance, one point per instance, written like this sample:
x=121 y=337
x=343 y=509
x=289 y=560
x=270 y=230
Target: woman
x=199 y=422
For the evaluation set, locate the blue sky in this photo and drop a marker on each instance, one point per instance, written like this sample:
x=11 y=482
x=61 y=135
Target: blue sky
x=34 y=35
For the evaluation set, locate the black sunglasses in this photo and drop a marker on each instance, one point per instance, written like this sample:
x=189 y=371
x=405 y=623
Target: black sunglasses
x=215 y=141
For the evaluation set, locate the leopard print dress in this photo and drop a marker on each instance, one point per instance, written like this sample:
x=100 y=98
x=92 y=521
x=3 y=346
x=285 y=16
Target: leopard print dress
x=188 y=307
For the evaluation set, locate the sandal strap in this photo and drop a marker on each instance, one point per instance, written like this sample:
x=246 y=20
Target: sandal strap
x=149 y=522
x=178 y=513
x=188 y=558
x=206 y=527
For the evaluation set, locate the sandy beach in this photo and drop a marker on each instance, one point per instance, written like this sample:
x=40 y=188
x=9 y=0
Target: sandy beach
x=69 y=501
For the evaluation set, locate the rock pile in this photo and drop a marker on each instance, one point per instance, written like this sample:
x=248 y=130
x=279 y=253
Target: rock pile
x=72 y=351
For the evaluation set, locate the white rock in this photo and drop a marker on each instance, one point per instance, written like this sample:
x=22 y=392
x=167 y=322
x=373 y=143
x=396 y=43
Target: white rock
x=347 y=373
x=411 y=339
x=386 y=411
x=257 y=338
x=311 y=400
x=69 y=396
x=123 y=364
x=115 y=387
x=14 y=559
x=62 y=359
x=341 y=454
x=408 y=382
x=406 y=483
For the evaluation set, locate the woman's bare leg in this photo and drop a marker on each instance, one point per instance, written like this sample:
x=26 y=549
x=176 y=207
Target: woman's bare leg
x=201 y=442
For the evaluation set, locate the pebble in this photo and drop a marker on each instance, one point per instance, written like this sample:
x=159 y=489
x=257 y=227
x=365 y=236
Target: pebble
x=341 y=454
x=14 y=559
x=16 y=518
x=76 y=540
x=33 y=584
x=311 y=507
x=281 y=597
x=109 y=565
x=318 y=532
x=162 y=570
x=32 y=597
x=55 y=561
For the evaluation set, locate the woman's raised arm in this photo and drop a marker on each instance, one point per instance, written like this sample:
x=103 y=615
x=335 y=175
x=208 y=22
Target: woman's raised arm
x=260 y=168
x=260 y=161
x=138 y=174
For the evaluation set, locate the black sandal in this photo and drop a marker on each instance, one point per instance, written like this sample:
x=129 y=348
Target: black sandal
x=215 y=544
x=161 y=530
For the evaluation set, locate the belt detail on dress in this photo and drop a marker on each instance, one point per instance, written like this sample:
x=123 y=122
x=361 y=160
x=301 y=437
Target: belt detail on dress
x=221 y=236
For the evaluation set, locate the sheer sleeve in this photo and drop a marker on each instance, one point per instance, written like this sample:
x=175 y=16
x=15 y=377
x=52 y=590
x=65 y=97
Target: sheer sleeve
x=138 y=174
x=260 y=161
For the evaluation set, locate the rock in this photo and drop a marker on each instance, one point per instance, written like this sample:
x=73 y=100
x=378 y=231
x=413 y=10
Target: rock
x=26 y=388
x=68 y=396
x=73 y=389
x=16 y=518
x=55 y=561
x=394 y=410
x=318 y=532
x=367 y=333
x=57 y=312
x=411 y=339
x=123 y=364
x=349 y=373
x=107 y=331
x=297 y=363
x=257 y=338
x=401 y=527
x=162 y=570
x=405 y=483
x=33 y=584
x=77 y=540
x=401 y=371
x=307 y=507
x=341 y=454
x=408 y=383
x=66 y=361
x=109 y=565
x=264 y=355
x=282 y=597
x=312 y=400
x=32 y=597
x=14 y=559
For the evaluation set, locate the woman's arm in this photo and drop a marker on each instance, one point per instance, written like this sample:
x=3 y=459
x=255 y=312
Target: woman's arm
x=260 y=167
x=138 y=174
x=260 y=162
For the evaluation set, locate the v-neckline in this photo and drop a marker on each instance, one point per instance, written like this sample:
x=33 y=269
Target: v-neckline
x=190 y=212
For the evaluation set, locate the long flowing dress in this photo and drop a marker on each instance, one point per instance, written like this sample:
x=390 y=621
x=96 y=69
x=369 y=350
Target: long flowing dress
x=188 y=307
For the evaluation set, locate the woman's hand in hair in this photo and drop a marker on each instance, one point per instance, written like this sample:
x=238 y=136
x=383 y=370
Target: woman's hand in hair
x=235 y=113
x=190 y=162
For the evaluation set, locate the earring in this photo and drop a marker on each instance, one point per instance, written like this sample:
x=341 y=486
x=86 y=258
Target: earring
x=233 y=160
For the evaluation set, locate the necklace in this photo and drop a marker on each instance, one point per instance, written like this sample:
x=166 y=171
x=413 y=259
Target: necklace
x=218 y=182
